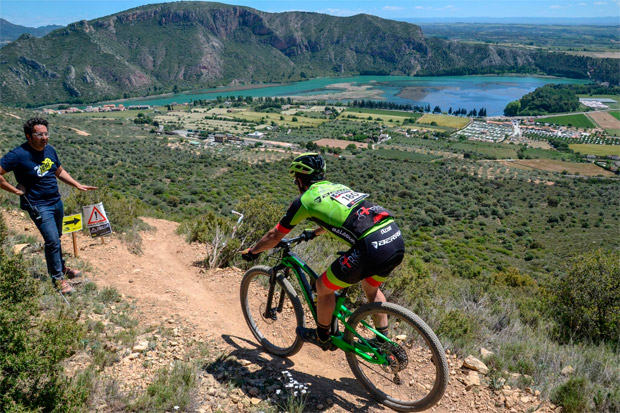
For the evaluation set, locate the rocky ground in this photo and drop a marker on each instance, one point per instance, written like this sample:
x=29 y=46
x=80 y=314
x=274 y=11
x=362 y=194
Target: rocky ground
x=184 y=313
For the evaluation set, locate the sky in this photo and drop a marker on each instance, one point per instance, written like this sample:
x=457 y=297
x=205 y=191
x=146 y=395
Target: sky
x=35 y=13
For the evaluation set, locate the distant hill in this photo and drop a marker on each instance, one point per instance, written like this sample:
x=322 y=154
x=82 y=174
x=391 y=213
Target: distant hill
x=10 y=32
x=190 y=45
x=568 y=21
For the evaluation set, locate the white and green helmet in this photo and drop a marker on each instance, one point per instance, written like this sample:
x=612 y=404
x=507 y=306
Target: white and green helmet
x=310 y=164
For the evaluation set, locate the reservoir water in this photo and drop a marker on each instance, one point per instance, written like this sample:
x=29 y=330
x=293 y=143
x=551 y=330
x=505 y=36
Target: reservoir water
x=469 y=92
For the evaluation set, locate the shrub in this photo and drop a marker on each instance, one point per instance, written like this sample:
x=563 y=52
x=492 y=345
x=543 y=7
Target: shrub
x=32 y=346
x=3 y=230
x=572 y=395
x=587 y=297
x=171 y=390
x=225 y=242
x=458 y=326
x=512 y=277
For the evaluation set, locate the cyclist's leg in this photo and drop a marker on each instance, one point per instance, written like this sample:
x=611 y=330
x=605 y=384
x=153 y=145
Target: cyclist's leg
x=325 y=303
x=343 y=272
x=386 y=249
x=375 y=295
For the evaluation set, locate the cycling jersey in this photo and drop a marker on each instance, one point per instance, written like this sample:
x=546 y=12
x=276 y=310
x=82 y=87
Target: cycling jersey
x=343 y=212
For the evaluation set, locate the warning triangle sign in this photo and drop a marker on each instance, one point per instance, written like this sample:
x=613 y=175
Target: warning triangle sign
x=96 y=216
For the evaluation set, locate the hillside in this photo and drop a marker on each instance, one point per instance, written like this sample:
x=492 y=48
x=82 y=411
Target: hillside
x=193 y=318
x=10 y=32
x=189 y=45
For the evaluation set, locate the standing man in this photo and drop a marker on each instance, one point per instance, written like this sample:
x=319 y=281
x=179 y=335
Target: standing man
x=36 y=167
x=376 y=243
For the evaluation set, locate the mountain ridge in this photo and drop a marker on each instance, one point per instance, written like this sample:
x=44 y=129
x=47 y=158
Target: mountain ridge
x=10 y=31
x=162 y=47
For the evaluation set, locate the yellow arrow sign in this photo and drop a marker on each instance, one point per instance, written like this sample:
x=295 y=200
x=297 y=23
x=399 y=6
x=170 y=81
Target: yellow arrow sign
x=71 y=223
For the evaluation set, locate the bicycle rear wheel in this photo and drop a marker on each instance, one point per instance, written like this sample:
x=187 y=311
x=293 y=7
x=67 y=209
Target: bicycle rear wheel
x=275 y=331
x=417 y=374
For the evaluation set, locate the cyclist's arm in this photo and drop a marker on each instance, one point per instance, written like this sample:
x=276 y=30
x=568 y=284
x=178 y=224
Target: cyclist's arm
x=268 y=241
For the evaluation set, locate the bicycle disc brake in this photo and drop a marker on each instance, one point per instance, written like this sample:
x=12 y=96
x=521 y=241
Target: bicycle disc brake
x=269 y=317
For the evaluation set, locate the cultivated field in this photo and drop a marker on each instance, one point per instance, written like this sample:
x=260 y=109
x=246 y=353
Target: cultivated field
x=455 y=122
x=197 y=121
x=550 y=165
x=267 y=118
x=577 y=121
x=387 y=120
x=316 y=109
x=336 y=143
x=605 y=120
x=599 y=150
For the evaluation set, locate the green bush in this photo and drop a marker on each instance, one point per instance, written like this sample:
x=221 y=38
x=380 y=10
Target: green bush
x=458 y=326
x=260 y=215
x=587 y=298
x=3 y=230
x=572 y=395
x=32 y=346
x=169 y=389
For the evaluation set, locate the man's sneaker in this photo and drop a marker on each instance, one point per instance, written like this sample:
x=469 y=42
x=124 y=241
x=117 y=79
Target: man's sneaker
x=63 y=286
x=308 y=335
x=70 y=273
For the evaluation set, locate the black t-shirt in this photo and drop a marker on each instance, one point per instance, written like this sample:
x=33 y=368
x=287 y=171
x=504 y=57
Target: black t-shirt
x=36 y=171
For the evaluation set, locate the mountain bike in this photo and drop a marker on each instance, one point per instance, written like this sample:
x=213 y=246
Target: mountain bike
x=405 y=369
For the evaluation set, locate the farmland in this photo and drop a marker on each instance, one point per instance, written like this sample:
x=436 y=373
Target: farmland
x=571 y=168
x=455 y=122
x=577 y=121
x=598 y=150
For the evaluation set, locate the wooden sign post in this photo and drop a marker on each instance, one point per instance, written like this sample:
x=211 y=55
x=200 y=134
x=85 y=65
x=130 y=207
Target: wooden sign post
x=70 y=225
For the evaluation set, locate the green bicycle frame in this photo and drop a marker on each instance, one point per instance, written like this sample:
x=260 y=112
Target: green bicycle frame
x=291 y=261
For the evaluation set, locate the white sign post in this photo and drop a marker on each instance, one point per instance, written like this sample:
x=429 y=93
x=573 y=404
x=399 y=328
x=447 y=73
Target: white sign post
x=96 y=220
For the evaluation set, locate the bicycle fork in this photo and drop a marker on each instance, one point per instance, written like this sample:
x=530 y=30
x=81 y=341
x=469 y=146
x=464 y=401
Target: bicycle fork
x=271 y=312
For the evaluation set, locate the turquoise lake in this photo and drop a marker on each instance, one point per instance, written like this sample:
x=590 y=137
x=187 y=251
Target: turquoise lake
x=469 y=92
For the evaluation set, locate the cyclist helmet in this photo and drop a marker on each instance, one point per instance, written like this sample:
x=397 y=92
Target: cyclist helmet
x=310 y=164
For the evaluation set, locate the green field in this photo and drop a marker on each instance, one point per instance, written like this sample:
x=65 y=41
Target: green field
x=615 y=113
x=577 y=121
x=455 y=122
x=391 y=119
x=599 y=150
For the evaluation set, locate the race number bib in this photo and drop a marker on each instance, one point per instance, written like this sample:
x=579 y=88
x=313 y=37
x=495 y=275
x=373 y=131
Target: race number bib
x=349 y=198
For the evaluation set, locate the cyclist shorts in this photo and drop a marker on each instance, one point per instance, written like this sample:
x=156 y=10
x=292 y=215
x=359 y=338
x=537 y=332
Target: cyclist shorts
x=372 y=258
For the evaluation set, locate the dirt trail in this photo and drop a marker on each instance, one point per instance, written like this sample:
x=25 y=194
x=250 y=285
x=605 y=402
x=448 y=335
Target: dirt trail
x=166 y=281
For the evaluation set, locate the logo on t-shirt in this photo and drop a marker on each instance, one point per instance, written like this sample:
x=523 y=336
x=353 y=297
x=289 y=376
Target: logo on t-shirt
x=44 y=168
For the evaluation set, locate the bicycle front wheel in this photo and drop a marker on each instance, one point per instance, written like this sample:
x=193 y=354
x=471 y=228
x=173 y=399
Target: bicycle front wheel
x=274 y=327
x=416 y=375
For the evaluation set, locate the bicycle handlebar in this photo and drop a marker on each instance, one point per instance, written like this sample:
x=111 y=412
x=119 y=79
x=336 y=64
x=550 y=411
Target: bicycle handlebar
x=287 y=243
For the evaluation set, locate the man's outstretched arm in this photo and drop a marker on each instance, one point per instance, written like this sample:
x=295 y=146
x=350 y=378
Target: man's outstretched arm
x=66 y=178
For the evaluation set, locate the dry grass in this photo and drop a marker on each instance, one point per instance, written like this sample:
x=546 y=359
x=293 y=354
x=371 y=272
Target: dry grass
x=605 y=120
x=552 y=165
x=455 y=122
x=335 y=143
x=592 y=149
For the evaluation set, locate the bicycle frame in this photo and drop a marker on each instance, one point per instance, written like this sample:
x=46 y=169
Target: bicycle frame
x=291 y=261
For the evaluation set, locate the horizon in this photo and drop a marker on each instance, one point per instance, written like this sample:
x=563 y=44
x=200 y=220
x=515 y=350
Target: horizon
x=63 y=12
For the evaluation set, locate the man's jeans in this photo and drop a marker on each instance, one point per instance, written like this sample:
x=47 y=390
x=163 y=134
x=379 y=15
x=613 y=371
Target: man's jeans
x=49 y=223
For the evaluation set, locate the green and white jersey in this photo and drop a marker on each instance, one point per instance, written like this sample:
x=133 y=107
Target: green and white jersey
x=341 y=211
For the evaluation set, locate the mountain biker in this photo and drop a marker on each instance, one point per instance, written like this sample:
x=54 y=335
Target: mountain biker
x=376 y=243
